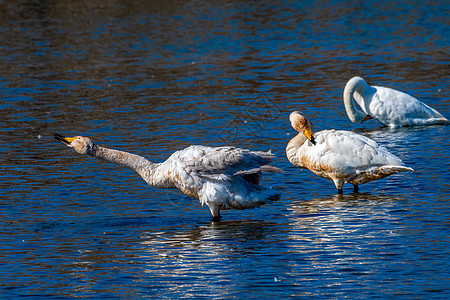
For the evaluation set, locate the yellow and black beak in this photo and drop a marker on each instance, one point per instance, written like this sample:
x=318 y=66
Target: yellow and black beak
x=66 y=141
x=308 y=133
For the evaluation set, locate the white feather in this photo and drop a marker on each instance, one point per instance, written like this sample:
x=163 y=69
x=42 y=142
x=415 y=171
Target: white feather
x=388 y=106
x=341 y=156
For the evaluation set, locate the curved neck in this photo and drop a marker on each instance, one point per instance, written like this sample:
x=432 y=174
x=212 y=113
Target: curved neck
x=293 y=146
x=145 y=168
x=354 y=85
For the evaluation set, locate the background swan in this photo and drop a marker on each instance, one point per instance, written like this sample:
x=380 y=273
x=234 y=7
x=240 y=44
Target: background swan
x=220 y=177
x=341 y=156
x=388 y=106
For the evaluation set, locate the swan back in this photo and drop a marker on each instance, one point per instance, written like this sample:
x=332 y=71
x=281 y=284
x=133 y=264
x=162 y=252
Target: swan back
x=348 y=151
x=395 y=108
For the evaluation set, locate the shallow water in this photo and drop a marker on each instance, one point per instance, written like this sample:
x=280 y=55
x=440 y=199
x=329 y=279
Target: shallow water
x=152 y=78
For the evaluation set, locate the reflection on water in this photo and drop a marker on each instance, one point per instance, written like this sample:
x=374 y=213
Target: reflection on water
x=152 y=77
x=216 y=237
x=396 y=137
x=341 y=216
x=362 y=235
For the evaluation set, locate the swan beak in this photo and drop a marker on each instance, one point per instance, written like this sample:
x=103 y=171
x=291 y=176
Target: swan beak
x=368 y=117
x=65 y=140
x=308 y=133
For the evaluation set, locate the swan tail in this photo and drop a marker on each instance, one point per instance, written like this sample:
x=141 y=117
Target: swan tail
x=376 y=173
x=396 y=169
x=269 y=168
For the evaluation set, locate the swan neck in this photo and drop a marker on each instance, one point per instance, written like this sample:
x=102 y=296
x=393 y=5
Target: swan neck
x=137 y=163
x=354 y=86
x=293 y=146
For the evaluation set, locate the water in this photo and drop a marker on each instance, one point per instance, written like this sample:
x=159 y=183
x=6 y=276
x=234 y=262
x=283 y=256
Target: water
x=152 y=77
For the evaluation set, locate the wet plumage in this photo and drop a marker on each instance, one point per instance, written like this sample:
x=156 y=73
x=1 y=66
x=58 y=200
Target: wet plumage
x=341 y=156
x=220 y=177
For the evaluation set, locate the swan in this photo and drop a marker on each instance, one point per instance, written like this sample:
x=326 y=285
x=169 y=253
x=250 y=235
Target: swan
x=341 y=156
x=220 y=177
x=387 y=106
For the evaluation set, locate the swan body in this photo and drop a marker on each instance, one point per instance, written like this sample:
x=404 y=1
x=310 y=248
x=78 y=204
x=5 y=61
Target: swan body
x=341 y=156
x=388 y=106
x=220 y=177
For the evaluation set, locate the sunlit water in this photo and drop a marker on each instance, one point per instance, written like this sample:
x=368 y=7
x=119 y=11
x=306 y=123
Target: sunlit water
x=151 y=78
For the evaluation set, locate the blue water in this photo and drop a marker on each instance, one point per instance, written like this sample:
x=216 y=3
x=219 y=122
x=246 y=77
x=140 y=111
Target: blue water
x=153 y=77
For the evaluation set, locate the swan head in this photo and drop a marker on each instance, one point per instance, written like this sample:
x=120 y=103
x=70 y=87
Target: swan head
x=80 y=144
x=302 y=124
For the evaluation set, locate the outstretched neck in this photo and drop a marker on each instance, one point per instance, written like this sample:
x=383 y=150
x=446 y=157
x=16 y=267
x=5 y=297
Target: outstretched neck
x=145 y=168
x=124 y=159
x=293 y=146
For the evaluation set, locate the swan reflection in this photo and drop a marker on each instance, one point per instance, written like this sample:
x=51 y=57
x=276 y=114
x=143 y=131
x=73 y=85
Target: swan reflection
x=340 y=217
x=218 y=238
x=401 y=136
x=192 y=251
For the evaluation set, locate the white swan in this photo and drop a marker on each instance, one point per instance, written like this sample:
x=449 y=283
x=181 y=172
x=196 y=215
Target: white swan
x=341 y=156
x=220 y=177
x=388 y=106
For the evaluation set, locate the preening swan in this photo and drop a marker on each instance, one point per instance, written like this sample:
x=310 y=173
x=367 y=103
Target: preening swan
x=341 y=156
x=220 y=177
x=388 y=106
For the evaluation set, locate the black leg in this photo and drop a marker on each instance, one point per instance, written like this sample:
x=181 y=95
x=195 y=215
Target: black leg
x=355 y=188
x=340 y=191
x=216 y=218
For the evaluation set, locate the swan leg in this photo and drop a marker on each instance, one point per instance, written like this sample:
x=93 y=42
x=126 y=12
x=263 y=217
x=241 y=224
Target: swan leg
x=216 y=218
x=355 y=188
x=215 y=212
x=339 y=183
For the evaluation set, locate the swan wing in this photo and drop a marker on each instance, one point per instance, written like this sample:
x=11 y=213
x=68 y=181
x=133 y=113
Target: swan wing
x=341 y=150
x=222 y=162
